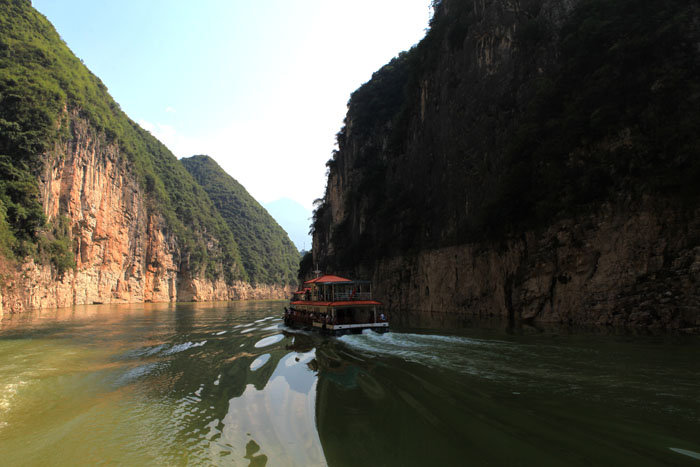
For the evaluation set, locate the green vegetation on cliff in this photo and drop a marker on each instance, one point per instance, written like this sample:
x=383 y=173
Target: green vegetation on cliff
x=42 y=87
x=476 y=134
x=619 y=114
x=268 y=255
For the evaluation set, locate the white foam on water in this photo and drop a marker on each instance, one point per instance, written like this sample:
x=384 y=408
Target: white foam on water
x=263 y=319
x=370 y=340
x=144 y=351
x=154 y=350
x=219 y=333
x=452 y=352
x=181 y=347
x=685 y=452
x=135 y=373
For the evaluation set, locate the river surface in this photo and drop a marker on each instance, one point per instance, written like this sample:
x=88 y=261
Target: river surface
x=228 y=384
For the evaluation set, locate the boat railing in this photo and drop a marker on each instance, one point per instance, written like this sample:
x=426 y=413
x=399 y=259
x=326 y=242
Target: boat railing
x=353 y=296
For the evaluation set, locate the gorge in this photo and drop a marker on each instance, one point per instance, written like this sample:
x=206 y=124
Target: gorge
x=531 y=161
x=519 y=190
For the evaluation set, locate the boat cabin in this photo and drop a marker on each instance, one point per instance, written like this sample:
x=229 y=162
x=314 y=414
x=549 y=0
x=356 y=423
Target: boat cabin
x=334 y=288
x=335 y=304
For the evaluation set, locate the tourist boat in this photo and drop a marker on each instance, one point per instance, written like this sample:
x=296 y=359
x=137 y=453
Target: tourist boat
x=335 y=305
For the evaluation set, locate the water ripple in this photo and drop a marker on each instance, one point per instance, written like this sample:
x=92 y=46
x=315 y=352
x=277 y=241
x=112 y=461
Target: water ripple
x=181 y=347
x=269 y=341
x=259 y=362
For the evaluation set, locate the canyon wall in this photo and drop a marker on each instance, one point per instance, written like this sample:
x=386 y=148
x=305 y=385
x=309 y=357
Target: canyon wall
x=636 y=266
x=124 y=250
x=530 y=161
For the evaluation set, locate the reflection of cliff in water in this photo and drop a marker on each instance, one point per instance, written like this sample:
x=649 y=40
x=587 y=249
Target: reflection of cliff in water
x=351 y=405
x=385 y=410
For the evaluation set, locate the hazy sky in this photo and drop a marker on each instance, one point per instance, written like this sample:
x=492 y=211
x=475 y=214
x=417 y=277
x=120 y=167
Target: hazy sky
x=260 y=86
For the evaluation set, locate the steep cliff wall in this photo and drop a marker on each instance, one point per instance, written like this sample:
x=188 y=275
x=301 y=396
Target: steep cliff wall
x=616 y=267
x=529 y=161
x=125 y=251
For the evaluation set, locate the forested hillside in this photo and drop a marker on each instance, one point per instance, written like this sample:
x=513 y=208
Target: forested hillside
x=42 y=87
x=268 y=255
x=93 y=208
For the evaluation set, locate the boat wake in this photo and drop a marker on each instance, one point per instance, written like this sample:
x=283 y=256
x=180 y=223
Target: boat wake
x=463 y=354
x=181 y=347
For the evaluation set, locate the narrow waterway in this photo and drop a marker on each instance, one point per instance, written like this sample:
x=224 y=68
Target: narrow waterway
x=228 y=384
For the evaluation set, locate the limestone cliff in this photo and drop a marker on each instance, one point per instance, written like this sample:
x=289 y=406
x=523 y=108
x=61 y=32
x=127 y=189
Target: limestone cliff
x=125 y=251
x=531 y=161
x=93 y=208
x=616 y=267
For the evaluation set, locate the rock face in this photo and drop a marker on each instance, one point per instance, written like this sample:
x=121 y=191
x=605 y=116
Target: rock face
x=124 y=250
x=474 y=179
x=616 y=268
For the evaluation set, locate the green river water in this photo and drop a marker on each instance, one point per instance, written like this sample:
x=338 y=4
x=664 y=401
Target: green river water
x=228 y=384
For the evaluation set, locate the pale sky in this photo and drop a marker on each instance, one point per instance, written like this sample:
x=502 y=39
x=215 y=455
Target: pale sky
x=261 y=87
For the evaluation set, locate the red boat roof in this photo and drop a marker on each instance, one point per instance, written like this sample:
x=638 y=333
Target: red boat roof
x=327 y=280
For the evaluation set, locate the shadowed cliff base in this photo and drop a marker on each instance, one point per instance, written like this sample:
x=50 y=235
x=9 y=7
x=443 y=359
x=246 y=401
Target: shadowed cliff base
x=441 y=321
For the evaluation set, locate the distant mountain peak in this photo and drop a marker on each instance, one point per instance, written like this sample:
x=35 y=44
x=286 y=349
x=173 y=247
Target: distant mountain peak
x=267 y=253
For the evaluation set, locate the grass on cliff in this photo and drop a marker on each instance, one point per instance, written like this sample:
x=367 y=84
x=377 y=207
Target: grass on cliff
x=268 y=255
x=42 y=84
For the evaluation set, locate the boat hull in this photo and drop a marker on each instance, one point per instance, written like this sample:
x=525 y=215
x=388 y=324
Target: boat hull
x=335 y=329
